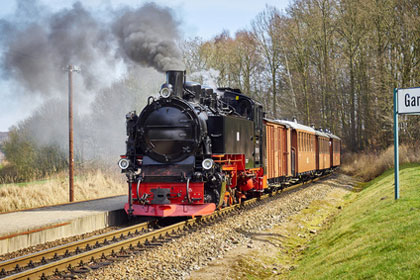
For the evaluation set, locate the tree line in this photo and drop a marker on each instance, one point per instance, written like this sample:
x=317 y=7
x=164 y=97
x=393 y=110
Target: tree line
x=329 y=63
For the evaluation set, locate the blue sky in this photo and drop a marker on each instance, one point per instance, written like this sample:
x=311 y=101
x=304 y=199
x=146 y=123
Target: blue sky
x=203 y=18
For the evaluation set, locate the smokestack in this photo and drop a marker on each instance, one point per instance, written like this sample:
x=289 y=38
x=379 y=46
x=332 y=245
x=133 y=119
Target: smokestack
x=176 y=79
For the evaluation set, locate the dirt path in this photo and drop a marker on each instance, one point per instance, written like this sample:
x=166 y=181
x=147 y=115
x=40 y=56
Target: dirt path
x=272 y=253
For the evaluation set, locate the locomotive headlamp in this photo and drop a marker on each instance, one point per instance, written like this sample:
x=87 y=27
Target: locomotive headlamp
x=207 y=163
x=123 y=163
x=166 y=90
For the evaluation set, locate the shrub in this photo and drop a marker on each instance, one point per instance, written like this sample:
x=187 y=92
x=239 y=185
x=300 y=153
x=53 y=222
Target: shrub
x=27 y=160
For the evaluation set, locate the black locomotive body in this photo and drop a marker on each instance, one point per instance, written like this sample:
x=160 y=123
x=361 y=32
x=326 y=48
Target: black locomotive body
x=191 y=150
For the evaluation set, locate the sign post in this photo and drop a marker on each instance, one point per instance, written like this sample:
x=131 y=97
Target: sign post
x=406 y=102
x=396 y=155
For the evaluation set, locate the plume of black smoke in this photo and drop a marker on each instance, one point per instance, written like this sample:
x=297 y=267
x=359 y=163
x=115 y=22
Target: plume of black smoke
x=147 y=36
x=120 y=58
x=36 y=53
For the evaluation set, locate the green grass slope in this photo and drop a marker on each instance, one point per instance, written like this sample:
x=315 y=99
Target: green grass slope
x=375 y=237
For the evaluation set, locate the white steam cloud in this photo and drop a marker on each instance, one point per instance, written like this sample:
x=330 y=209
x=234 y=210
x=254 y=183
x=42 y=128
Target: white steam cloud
x=121 y=60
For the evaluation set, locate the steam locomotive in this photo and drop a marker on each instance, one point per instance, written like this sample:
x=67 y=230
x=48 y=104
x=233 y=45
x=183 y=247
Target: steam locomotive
x=195 y=149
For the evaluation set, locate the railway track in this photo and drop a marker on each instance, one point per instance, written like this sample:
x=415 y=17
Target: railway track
x=81 y=256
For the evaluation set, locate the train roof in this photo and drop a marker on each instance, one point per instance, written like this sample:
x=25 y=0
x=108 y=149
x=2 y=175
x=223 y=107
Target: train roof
x=299 y=126
x=323 y=134
x=333 y=136
x=295 y=125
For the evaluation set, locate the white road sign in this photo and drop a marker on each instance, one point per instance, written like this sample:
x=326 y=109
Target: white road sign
x=408 y=100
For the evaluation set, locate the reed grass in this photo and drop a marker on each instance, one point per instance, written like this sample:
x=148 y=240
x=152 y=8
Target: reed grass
x=369 y=165
x=55 y=190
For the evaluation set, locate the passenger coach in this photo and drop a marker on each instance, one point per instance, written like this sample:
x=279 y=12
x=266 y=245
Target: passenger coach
x=295 y=151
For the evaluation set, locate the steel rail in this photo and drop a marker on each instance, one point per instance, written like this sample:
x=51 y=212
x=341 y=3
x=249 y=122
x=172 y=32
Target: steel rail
x=67 y=249
x=140 y=241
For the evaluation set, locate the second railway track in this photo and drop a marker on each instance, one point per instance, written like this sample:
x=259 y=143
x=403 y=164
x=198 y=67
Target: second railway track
x=87 y=254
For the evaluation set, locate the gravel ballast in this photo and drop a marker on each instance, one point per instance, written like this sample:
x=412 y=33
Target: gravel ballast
x=179 y=257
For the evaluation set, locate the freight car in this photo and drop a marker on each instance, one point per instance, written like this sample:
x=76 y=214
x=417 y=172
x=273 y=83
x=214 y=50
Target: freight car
x=196 y=149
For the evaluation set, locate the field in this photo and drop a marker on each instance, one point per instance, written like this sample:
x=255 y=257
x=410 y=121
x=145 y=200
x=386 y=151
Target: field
x=54 y=190
x=375 y=237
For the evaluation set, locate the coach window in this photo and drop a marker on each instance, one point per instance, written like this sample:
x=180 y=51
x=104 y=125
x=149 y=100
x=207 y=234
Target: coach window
x=302 y=141
x=309 y=143
x=299 y=141
x=306 y=138
x=312 y=143
x=310 y=139
x=320 y=145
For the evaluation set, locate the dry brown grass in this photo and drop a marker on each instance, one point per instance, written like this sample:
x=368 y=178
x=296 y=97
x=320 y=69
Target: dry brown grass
x=370 y=165
x=94 y=184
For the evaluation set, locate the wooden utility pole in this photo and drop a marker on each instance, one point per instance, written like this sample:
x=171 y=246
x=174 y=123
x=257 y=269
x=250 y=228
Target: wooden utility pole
x=70 y=69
